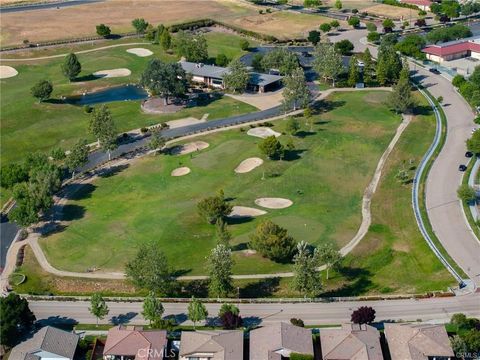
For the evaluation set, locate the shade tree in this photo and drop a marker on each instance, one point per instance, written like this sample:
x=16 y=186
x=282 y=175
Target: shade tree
x=295 y=92
x=16 y=319
x=98 y=307
x=363 y=315
x=42 y=90
x=71 y=67
x=273 y=242
x=306 y=278
x=219 y=266
x=236 y=79
x=196 y=311
x=152 y=309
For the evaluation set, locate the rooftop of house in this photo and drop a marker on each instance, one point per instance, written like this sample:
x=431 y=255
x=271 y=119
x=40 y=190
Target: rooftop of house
x=217 y=72
x=352 y=341
x=417 y=341
x=222 y=344
x=274 y=341
x=453 y=47
x=134 y=341
x=46 y=340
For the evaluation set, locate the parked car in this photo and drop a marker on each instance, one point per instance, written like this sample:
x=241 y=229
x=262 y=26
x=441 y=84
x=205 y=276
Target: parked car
x=469 y=154
x=462 y=168
x=434 y=71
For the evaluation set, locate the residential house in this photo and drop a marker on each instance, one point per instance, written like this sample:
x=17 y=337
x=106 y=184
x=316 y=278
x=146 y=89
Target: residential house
x=211 y=345
x=452 y=50
x=47 y=343
x=418 y=342
x=132 y=342
x=212 y=75
x=278 y=341
x=352 y=341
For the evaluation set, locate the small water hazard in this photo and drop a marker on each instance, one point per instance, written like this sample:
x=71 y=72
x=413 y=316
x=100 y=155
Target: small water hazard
x=117 y=93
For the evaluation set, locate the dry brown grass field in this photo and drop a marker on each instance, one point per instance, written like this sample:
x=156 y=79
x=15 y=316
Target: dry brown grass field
x=393 y=12
x=76 y=21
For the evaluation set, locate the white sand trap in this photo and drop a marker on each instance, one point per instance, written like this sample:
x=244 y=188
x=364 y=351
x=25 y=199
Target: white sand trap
x=112 y=73
x=140 y=52
x=273 y=203
x=7 y=72
x=248 y=165
x=189 y=148
x=244 y=211
x=183 y=122
x=263 y=132
x=181 y=171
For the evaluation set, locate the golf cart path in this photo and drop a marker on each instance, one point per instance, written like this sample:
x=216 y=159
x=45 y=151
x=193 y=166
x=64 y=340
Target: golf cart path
x=32 y=240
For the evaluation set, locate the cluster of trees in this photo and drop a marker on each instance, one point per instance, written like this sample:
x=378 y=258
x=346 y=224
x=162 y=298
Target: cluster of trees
x=389 y=63
x=159 y=35
x=449 y=33
x=447 y=8
x=467 y=339
x=401 y=99
x=412 y=45
x=191 y=47
x=327 y=62
x=281 y=60
x=469 y=88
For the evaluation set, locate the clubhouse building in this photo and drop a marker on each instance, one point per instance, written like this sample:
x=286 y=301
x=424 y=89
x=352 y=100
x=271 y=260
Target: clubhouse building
x=453 y=50
x=212 y=75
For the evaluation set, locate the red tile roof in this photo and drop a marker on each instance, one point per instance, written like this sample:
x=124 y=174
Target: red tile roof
x=418 y=2
x=452 y=49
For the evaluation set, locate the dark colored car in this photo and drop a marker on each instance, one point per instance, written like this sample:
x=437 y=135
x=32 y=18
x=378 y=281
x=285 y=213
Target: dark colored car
x=469 y=154
x=462 y=168
x=434 y=71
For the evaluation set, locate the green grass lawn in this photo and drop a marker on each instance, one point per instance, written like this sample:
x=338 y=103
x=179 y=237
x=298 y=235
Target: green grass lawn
x=144 y=202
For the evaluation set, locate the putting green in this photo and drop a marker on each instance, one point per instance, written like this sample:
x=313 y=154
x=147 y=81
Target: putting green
x=144 y=202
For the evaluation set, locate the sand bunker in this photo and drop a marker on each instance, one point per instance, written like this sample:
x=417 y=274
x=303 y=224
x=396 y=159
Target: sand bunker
x=181 y=171
x=189 y=148
x=273 y=203
x=183 y=122
x=248 y=165
x=243 y=211
x=263 y=132
x=112 y=73
x=7 y=72
x=140 y=52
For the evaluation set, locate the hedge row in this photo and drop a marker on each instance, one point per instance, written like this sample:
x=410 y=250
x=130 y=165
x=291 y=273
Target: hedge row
x=403 y=5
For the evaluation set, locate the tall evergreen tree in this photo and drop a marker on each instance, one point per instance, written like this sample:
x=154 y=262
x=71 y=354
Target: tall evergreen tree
x=353 y=72
x=368 y=67
x=401 y=99
x=71 y=67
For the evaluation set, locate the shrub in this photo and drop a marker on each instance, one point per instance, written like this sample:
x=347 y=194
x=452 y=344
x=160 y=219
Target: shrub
x=354 y=21
x=271 y=147
x=458 y=81
x=144 y=130
x=244 y=44
x=297 y=322
x=298 y=356
x=466 y=193
x=87 y=109
x=363 y=315
x=344 y=47
x=373 y=36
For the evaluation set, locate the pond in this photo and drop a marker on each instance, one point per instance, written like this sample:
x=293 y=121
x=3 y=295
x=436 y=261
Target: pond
x=117 y=93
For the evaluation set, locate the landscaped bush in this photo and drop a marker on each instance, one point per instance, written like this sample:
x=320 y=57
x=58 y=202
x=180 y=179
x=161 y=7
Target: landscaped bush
x=373 y=36
x=297 y=356
x=297 y=322
x=412 y=45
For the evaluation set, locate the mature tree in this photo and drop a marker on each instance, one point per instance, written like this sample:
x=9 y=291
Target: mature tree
x=103 y=30
x=244 y=44
x=42 y=90
x=475 y=77
x=473 y=144
x=152 y=309
x=196 y=311
x=25 y=212
x=306 y=278
x=12 y=174
x=222 y=233
x=78 y=156
x=295 y=91
x=214 y=208
x=338 y=4
x=230 y=317
x=257 y=62
x=219 y=265
x=280 y=59
x=273 y=242
x=368 y=67
x=192 y=47
x=373 y=37
x=157 y=142
x=271 y=147
x=444 y=34
x=472 y=340
x=363 y=315
x=150 y=33
x=353 y=72
x=236 y=79
x=354 y=22
x=15 y=319
x=98 y=307
x=401 y=99
x=164 y=79
x=221 y=60
x=71 y=67
x=314 y=37
x=140 y=25
x=292 y=125
x=150 y=270
x=334 y=24
x=371 y=27
x=325 y=27
x=328 y=62
x=388 y=25
x=389 y=65
x=329 y=256
x=344 y=47
x=103 y=128
x=311 y=3
x=412 y=45
x=166 y=39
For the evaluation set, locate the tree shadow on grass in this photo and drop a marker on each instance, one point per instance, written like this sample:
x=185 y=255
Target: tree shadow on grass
x=291 y=155
x=260 y=289
x=53 y=101
x=88 y=77
x=358 y=282
x=324 y=106
x=78 y=191
x=197 y=288
x=239 y=247
x=112 y=170
x=72 y=212
x=303 y=134
x=422 y=110
x=237 y=220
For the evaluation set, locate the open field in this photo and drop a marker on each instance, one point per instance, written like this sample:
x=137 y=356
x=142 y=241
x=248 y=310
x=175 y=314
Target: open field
x=144 y=202
x=394 y=12
x=77 y=21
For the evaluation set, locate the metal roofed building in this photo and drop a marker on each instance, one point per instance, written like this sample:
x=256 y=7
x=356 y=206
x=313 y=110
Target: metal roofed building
x=212 y=75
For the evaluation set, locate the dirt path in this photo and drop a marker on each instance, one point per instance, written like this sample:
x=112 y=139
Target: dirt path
x=32 y=239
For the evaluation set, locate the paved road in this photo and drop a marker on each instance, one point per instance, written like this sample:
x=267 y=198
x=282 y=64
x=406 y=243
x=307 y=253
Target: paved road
x=52 y=5
x=440 y=309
